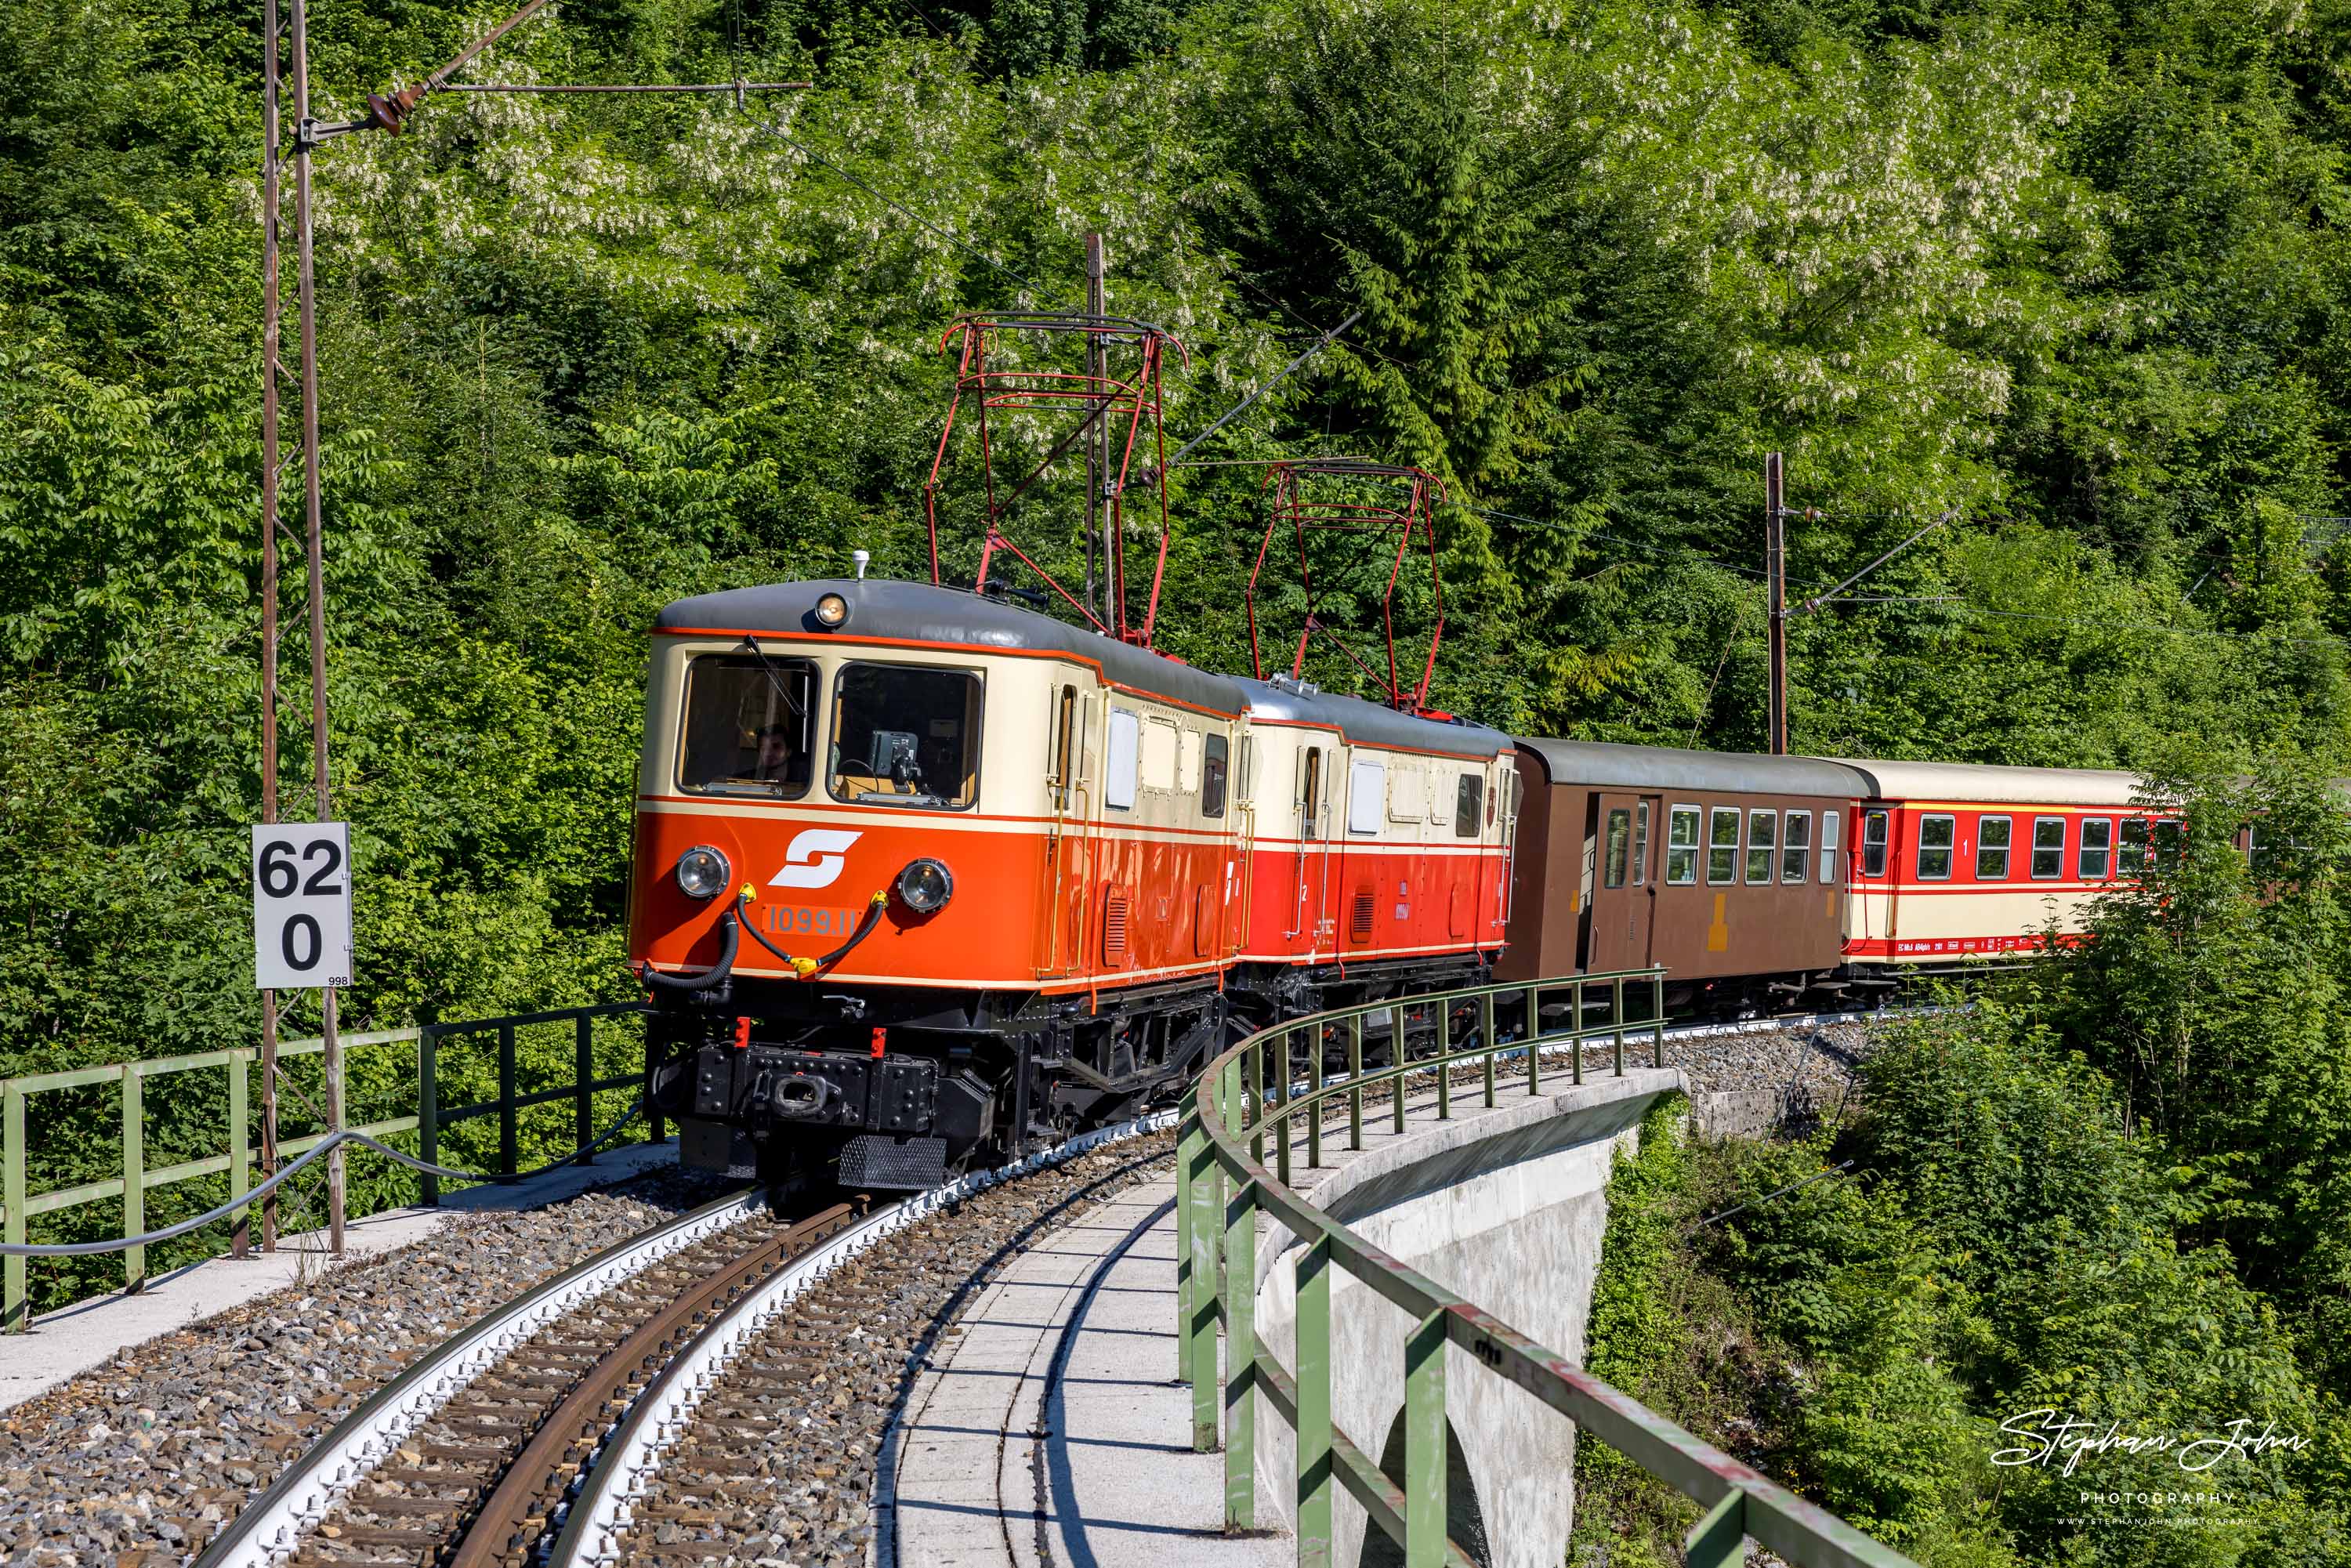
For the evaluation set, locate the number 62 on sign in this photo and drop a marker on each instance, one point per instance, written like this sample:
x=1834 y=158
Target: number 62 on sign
x=301 y=905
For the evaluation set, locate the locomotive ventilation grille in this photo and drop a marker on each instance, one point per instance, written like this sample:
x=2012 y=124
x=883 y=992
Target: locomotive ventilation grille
x=1359 y=923
x=1114 y=928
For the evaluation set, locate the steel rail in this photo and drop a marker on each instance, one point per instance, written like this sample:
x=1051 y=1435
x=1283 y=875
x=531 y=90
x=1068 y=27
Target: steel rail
x=600 y=1513
x=269 y=1527
x=545 y=1464
x=1224 y=1186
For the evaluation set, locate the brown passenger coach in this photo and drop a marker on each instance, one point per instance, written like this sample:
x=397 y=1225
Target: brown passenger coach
x=1728 y=869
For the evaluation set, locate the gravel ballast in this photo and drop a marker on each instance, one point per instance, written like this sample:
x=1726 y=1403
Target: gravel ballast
x=146 y=1452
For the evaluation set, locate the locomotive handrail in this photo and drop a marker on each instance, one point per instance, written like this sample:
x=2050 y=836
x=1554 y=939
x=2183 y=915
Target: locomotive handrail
x=430 y=1117
x=1223 y=1186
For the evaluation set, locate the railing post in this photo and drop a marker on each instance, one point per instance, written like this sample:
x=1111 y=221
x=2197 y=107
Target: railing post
x=1257 y=1101
x=240 y=1174
x=1396 y=1059
x=134 y=1176
x=1444 y=1021
x=1533 y=1034
x=1207 y=1220
x=583 y=1070
x=1616 y=1017
x=655 y=1131
x=1355 y=1080
x=1281 y=1084
x=1187 y=1137
x=1314 y=1086
x=1718 y=1539
x=1240 y=1357
x=510 y=1153
x=1657 y=1012
x=1575 y=1034
x=14 y=1317
x=1315 y=1472
x=428 y=1112
x=1424 y=1444
x=1486 y=1037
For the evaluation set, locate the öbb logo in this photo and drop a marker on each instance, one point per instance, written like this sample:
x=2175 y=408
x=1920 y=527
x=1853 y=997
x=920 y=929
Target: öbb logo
x=814 y=858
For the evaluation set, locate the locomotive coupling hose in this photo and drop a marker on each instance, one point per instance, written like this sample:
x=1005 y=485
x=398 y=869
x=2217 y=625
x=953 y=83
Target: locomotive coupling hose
x=731 y=938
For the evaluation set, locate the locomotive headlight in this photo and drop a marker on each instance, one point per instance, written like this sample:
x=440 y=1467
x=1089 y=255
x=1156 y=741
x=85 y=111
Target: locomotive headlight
x=925 y=885
x=702 y=872
x=832 y=610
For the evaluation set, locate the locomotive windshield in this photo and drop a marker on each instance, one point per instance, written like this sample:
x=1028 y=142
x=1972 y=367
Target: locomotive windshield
x=906 y=736
x=749 y=728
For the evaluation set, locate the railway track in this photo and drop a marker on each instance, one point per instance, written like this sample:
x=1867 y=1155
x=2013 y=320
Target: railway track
x=471 y=1459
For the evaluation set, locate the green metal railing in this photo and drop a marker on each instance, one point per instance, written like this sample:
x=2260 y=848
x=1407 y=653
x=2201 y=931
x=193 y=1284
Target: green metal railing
x=17 y=1207
x=1223 y=1186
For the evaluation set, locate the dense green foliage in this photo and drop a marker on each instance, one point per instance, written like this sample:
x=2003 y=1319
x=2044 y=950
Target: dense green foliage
x=2003 y=1247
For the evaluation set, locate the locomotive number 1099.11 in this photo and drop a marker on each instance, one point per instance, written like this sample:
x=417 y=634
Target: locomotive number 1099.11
x=808 y=920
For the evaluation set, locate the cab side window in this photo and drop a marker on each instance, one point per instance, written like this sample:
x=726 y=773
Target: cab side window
x=1122 y=755
x=1469 y=806
x=1212 y=778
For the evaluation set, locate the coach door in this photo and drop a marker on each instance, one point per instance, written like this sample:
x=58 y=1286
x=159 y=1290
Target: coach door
x=1071 y=794
x=1625 y=894
x=1307 y=924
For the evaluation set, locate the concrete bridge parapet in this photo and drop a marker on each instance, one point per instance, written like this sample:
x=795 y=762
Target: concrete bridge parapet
x=1507 y=1207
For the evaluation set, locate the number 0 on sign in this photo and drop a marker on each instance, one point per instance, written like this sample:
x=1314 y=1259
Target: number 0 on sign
x=302 y=905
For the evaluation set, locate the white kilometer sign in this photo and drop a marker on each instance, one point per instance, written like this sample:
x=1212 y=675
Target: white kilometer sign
x=302 y=905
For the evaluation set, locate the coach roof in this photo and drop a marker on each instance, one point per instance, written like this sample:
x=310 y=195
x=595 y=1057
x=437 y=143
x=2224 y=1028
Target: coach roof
x=920 y=612
x=1368 y=723
x=1969 y=782
x=1610 y=765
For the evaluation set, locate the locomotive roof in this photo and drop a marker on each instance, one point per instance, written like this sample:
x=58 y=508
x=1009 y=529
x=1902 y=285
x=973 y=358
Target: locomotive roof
x=1972 y=781
x=1370 y=723
x=1611 y=763
x=922 y=613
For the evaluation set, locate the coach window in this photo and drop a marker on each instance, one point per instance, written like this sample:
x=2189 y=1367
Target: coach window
x=1872 y=843
x=903 y=735
x=1620 y=844
x=1469 y=806
x=1992 y=849
x=1722 y=845
x=749 y=726
x=1681 y=846
x=1119 y=766
x=2048 y=848
x=2168 y=836
x=1830 y=821
x=1641 y=844
x=1762 y=831
x=1796 y=846
x=2097 y=848
x=2132 y=859
x=1212 y=778
x=1366 y=793
x=1935 y=836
